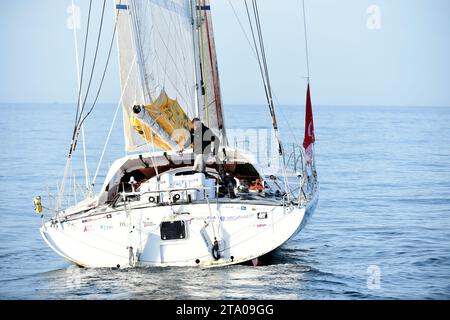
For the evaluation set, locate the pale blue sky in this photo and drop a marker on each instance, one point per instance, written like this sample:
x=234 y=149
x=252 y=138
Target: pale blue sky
x=406 y=62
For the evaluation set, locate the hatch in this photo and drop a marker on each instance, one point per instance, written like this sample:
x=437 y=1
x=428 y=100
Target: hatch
x=173 y=230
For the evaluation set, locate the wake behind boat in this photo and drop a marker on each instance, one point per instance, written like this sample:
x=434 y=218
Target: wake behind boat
x=166 y=203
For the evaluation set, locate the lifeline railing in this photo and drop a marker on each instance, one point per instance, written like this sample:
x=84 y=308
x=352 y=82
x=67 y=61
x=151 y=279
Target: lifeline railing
x=308 y=182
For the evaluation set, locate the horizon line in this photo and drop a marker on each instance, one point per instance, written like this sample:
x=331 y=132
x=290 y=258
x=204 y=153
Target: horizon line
x=248 y=104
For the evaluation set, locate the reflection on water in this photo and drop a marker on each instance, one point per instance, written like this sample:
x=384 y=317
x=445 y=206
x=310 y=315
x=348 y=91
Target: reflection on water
x=279 y=280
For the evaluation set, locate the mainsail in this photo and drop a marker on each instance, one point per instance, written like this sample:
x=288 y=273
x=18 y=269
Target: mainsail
x=166 y=53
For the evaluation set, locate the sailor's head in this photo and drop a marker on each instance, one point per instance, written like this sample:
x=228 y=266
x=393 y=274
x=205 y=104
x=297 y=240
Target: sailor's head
x=196 y=123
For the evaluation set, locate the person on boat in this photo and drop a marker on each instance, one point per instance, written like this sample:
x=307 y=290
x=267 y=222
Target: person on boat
x=206 y=143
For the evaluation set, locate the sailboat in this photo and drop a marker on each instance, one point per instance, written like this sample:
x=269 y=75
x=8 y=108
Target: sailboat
x=153 y=209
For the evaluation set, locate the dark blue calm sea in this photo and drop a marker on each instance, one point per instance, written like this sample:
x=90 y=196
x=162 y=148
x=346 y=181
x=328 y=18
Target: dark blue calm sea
x=381 y=229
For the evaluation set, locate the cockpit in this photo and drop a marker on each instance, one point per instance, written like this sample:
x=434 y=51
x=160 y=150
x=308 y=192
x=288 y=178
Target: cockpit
x=167 y=179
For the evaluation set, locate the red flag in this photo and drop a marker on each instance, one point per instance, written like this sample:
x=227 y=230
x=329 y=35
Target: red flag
x=309 y=127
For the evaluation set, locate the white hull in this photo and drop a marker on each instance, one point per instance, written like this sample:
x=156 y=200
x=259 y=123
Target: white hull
x=179 y=218
x=104 y=240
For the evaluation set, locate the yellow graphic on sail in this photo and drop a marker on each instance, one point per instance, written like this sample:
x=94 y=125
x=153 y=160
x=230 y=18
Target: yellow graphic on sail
x=163 y=123
x=148 y=134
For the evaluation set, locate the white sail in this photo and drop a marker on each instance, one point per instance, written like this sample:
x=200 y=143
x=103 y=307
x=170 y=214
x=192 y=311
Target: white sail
x=156 y=53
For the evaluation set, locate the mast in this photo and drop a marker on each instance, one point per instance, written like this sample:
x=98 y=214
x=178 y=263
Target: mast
x=197 y=68
x=212 y=113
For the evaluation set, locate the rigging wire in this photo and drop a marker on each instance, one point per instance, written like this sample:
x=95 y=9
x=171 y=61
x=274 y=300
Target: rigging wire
x=75 y=130
x=78 y=120
x=290 y=129
x=256 y=50
x=306 y=39
x=277 y=102
x=81 y=81
x=307 y=68
x=104 y=74
x=95 y=59
x=242 y=28
x=77 y=60
x=262 y=61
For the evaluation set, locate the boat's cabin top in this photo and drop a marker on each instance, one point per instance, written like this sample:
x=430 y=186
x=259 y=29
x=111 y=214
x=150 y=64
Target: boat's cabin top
x=164 y=178
x=160 y=178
